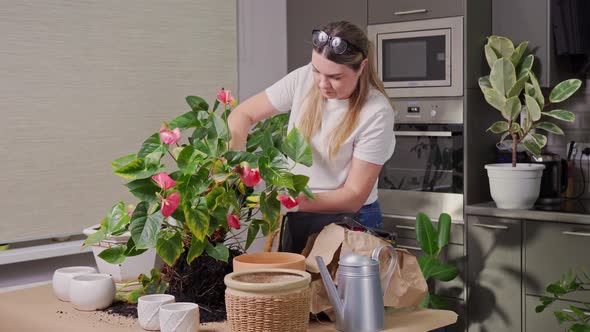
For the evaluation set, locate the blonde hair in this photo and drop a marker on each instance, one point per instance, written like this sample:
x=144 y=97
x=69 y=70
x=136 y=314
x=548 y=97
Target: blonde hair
x=311 y=120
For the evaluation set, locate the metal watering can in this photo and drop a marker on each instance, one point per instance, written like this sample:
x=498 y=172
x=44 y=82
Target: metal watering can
x=358 y=301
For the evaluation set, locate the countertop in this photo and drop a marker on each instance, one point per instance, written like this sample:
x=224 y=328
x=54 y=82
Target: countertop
x=37 y=309
x=580 y=212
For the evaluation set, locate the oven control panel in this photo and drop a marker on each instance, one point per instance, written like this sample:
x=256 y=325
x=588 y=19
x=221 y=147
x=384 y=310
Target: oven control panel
x=428 y=110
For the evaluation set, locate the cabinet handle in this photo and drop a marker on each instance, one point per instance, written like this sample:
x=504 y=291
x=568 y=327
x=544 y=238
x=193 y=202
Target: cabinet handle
x=408 y=247
x=569 y=311
x=410 y=12
x=491 y=226
x=577 y=233
x=405 y=227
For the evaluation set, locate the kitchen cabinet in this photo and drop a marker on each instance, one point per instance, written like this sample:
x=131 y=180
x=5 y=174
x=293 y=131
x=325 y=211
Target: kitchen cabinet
x=387 y=11
x=494 y=274
x=305 y=15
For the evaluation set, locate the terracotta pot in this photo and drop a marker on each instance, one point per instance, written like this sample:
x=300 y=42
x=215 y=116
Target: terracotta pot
x=265 y=260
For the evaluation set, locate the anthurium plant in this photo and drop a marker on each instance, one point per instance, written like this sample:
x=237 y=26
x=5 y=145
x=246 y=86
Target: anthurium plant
x=513 y=89
x=432 y=241
x=207 y=199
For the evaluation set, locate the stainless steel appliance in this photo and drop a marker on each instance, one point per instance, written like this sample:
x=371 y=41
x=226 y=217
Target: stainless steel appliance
x=426 y=170
x=420 y=58
x=554 y=179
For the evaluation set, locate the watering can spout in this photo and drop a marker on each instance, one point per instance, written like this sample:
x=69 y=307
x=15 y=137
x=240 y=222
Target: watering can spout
x=331 y=288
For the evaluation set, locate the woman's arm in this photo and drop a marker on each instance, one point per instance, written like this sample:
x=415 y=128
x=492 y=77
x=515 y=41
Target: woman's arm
x=353 y=194
x=245 y=115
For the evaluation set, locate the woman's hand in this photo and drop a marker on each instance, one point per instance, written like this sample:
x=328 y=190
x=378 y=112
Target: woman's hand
x=245 y=115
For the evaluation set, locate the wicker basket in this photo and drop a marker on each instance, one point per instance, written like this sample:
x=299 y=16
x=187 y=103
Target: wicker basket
x=267 y=300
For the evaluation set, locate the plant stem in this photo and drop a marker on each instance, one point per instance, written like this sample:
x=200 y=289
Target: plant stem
x=239 y=243
x=171 y=155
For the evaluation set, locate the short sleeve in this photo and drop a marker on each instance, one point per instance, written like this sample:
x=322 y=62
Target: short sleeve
x=282 y=93
x=376 y=141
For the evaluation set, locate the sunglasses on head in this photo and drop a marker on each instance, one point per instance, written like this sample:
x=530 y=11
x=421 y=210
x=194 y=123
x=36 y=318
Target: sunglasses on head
x=338 y=45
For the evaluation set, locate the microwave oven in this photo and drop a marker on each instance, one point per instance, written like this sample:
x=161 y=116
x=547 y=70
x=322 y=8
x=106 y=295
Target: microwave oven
x=420 y=58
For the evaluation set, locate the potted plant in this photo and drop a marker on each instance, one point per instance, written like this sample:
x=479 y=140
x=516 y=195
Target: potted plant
x=196 y=215
x=513 y=89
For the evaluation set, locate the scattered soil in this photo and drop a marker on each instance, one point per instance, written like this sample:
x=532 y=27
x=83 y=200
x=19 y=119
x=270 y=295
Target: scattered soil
x=123 y=309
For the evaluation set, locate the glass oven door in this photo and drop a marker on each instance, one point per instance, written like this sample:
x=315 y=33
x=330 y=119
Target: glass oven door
x=427 y=158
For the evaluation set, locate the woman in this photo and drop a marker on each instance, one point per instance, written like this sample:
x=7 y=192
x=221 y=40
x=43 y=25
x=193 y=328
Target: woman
x=339 y=104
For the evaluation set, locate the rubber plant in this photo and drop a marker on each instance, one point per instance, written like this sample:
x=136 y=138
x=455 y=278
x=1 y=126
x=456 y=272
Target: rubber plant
x=513 y=89
x=432 y=241
x=207 y=200
x=577 y=319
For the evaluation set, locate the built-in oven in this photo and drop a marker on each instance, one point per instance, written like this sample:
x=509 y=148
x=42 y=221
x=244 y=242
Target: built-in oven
x=420 y=58
x=425 y=172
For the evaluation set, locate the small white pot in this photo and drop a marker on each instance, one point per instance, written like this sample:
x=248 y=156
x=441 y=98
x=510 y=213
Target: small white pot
x=179 y=317
x=148 y=310
x=515 y=187
x=62 y=278
x=93 y=291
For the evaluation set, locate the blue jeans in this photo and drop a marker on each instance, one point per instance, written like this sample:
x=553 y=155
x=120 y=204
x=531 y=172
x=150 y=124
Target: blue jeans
x=370 y=215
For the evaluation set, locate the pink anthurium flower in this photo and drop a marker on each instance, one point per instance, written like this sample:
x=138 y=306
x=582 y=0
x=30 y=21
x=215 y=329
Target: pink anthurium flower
x=169 y=136
x=164 y=181
x=233 y=220
x=250 y=177
x=170 y=203
x=288 y=201
x=225 y=97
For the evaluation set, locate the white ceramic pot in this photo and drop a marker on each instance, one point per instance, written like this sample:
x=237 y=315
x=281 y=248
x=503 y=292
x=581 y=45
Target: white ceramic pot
x=148 y=310
x=62 y=278
x=515 y=187
x=179 y=317
x=132 y=267
x=93 y=291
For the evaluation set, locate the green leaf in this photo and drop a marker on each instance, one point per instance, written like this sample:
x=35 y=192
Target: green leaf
x=494 y=98
x=498 y=127
x=526 y=66
x=444 y=272
x=538 y=93
x=236 y=157
x=169 y=247
x=95 y=238
x=534 y=111
x=220 y=128
x=270 y=207
x=502 y=45
x=503 y=76
x=518 y=52
x=132 y=249
x=120 y=162
x=189 y=159
x=532 y=147
x=114 y=255
x=150 y=145
x=580 y=327
x=437 y=302
x=299 y=184
x=578 y=312
x=219 y=252
x=444 y=230
x=116 y=219
x=550 y=127
x=555 y=289
x=144 y=190
x=427 y=264
x=197 y=103
x=563 y=317
x=196 y=249
x=491 y=55
x=426 y=234
x=185 y=121
x=274 y=169
x=145 y=226
x=194 y=184
x=138 y=169
x=198 y=134
x=564 y=90
x=197 y=216
x=253 y=230
x=518 y=86
x=484 y=82
x=296 y=148
x=541 y=140
x=512 y=108
x=425 y=302
x=562 y=115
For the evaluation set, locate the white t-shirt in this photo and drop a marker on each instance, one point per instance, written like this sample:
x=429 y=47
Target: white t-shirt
x=372 y=140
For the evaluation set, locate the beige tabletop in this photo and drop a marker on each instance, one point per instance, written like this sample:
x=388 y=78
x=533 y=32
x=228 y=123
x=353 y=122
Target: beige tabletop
x=37 y=309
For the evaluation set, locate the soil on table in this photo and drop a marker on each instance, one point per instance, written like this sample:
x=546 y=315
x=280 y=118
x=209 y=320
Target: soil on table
x=201 y=283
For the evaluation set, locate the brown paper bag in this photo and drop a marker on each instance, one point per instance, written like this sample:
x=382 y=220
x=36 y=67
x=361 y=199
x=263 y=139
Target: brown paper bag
x=407 y=286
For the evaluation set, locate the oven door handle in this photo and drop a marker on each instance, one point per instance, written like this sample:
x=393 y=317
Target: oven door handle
x=424 y=133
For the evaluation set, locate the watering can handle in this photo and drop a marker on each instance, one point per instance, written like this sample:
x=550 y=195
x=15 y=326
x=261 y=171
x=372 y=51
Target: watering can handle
x=385 y=281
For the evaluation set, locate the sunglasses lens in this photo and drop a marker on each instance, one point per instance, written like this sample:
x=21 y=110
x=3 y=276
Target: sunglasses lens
x=338 y=45
x=319 y=38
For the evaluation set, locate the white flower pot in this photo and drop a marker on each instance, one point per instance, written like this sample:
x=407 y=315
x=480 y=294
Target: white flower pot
x=132 y=267
x=515 y=187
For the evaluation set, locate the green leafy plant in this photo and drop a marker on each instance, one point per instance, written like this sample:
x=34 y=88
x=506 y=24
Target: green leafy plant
x=432 y=241
x=577 y=320
x=152 y=284
x=207 y=200
x=513 y=89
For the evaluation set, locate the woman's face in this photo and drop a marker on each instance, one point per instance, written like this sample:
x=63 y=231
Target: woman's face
x=334 y=80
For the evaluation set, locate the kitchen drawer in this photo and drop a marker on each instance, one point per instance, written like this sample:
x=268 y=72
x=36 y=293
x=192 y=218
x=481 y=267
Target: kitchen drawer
x=386 y=11
x=552 y=249
x=406 y=228
x=545 y=321
x=452 y=254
